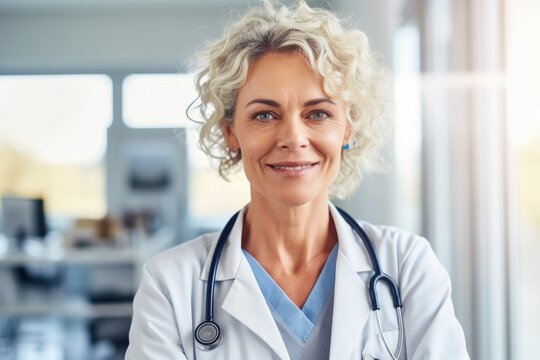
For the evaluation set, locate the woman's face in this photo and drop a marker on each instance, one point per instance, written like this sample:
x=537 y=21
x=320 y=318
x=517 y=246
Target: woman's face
x=289 y=131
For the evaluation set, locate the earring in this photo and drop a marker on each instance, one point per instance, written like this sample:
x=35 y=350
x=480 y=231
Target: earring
x=346 y=146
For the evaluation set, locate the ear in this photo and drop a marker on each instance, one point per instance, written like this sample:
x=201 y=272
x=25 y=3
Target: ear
x=230 y=135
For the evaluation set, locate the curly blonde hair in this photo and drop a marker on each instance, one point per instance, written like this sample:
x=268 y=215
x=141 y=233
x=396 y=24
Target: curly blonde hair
x=350 y=71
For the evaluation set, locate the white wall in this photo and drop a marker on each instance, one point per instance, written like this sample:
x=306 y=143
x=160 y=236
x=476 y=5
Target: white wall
x=103 y=39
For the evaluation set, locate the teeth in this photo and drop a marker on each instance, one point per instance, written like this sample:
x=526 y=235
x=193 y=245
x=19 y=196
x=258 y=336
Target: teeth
x=292 y=168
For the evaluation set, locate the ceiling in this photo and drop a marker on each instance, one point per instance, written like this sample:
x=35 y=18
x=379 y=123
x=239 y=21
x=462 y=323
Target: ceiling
x=6 y=5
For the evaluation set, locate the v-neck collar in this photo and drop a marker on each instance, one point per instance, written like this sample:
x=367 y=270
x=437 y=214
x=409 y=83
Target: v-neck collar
x=300 y=322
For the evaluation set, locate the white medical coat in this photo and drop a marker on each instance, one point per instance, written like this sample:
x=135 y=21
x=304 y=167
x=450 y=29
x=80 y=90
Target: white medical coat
x=170 y=302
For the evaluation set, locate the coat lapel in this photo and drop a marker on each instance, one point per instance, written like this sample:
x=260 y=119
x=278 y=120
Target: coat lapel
x=351 y=300
x=246 y=303
x=351 y=310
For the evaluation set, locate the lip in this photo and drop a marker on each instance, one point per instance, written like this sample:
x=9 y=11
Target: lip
x=293 y=168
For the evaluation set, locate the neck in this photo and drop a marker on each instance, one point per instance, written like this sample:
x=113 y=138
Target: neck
x=291 y=236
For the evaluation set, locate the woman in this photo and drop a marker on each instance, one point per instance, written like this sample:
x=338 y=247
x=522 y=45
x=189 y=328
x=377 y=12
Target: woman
x=292 y=95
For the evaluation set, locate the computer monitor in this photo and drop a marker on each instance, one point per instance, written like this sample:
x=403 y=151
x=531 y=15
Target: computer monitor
x=23 y=217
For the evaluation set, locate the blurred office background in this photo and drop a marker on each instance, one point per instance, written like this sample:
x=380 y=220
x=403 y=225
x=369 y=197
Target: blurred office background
x=99 y=169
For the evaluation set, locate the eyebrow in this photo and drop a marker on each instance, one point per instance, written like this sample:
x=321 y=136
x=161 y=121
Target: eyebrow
x=273 y=103
x=263 y=101
x=318 y=101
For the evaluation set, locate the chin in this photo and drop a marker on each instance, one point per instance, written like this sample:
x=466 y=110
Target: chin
x=299 y=197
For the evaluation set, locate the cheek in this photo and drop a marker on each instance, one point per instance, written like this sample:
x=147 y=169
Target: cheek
x=334 y=138
x=253 y=135
x=254 y=147
x=250 y=143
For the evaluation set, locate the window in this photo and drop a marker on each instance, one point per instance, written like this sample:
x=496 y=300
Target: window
x=524 y=141
x=408 y=130
x=157 y=100
x=53 y=139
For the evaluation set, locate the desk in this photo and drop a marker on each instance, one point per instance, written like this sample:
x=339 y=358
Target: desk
x=18 y=302
x=68 y=320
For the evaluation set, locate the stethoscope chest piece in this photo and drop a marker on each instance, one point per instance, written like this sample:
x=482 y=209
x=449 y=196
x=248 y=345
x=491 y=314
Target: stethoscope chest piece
x=208 y=335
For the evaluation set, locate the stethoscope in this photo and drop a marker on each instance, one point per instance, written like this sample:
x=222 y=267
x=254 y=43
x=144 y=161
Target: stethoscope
x=209 y=335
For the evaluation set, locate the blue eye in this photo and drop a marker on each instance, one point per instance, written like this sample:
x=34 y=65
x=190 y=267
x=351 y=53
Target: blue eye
x=319 y=115
x=263 y=116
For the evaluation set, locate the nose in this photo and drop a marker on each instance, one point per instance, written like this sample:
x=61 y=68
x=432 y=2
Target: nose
x=292 y=134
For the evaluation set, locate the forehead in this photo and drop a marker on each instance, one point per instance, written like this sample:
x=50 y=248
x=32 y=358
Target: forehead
x=281 y=74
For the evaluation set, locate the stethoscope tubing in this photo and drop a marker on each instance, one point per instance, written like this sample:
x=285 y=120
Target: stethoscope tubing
x=214 y=265
x=377 y=276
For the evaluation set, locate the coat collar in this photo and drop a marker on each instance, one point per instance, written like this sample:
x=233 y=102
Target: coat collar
x=350 y=243
x=231 y=255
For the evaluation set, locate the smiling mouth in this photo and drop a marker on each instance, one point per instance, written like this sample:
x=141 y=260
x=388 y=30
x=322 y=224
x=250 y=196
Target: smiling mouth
x=293 y=169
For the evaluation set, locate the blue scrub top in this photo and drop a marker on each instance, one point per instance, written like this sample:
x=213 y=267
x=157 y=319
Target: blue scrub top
x=300 y=322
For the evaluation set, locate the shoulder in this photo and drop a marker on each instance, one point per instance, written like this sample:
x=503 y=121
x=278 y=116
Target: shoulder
x=186 y=251
x=393 y=240
x=183 y=261
x=402 y=252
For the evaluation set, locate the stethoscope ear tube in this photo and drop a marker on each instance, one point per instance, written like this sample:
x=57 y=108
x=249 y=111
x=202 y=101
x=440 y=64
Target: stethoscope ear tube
x=378 y=275
x=392 y=286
